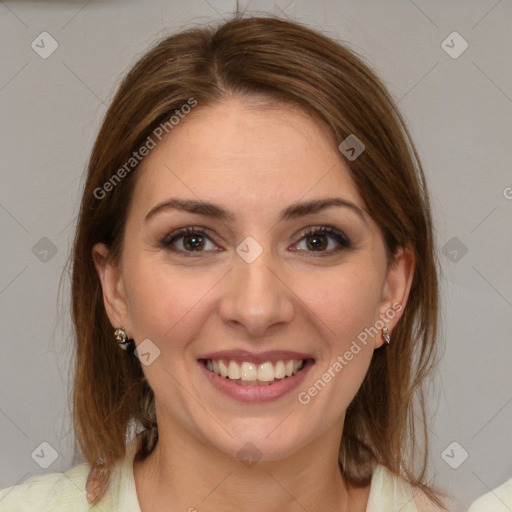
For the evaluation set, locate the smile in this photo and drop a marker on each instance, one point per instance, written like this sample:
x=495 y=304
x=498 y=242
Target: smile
x=255 y=377
x=249 y=373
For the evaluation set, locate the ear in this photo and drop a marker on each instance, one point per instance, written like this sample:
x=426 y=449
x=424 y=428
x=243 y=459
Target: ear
x=395 y=293
x=112 y=285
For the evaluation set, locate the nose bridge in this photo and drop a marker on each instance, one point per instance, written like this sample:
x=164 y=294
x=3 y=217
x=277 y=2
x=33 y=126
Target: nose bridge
x=256 y=298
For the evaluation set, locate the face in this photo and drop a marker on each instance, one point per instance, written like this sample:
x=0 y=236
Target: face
x=288 y=301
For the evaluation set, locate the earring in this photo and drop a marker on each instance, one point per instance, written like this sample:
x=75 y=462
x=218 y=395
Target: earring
x=121 y=338
x=386 y=335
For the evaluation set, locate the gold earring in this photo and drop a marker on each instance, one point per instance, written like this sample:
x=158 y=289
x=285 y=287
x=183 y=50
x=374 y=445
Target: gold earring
x=386 y=335
x=121 y=338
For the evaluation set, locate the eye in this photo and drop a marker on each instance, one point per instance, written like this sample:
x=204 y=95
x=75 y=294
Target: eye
x=317 y=239
x=188 y=240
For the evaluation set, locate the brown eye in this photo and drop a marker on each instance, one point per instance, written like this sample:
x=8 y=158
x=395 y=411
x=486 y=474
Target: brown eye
x=193 y=242
x=317 y=239
x=188 y=240
x=317 y=242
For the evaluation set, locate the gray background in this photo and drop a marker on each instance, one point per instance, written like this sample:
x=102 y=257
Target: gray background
x=460 y=114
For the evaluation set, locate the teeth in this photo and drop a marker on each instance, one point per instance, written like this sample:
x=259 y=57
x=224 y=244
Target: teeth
x=233 y=371
x=266 y=372
x=222 y=367
x=248 y=373
x=279 y=370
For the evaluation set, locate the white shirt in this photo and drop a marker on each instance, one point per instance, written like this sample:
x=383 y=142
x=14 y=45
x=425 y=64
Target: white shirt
x=498 y=500
x=65 y=492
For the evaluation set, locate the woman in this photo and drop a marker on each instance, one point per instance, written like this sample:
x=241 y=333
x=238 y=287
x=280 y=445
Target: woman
x=255 y=232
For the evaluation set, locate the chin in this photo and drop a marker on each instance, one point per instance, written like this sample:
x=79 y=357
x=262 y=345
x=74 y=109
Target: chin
x=263 y=441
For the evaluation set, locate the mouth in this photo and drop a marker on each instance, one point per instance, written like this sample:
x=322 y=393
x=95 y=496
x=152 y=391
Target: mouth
x=252 y=377
x=248 y=373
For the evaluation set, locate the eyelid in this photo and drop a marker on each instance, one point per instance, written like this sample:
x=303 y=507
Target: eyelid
x=325 y=229
x=343 y=242
x=179 y=233
x=338 y=235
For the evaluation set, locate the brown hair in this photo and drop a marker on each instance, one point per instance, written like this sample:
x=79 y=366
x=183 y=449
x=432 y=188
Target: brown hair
x=282 y=61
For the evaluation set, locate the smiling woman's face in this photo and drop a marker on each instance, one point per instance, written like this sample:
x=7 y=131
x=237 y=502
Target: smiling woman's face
x=247 y=289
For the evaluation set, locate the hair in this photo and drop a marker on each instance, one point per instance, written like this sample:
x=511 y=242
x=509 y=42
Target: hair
x=283 y=62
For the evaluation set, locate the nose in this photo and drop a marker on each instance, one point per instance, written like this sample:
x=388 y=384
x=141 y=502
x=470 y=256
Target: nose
x=256 y=297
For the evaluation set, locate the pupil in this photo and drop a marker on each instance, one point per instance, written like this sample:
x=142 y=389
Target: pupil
x=320 y=242
x=194 y=242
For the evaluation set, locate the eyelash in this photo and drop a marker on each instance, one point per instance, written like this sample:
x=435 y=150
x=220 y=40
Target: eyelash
x=338 y=236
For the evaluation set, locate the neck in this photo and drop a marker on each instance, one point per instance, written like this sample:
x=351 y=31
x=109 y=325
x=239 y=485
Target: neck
x=192 y=476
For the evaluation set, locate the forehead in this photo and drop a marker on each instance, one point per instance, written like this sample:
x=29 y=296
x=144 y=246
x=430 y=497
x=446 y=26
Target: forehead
x=245 y=155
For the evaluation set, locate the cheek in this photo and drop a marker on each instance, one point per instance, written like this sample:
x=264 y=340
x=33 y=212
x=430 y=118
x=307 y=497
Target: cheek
x=148 y=298
x=345 y=305
x=345 y=300
x=162 y=298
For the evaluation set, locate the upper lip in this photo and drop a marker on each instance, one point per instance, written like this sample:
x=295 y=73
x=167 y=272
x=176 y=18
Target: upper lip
x=257 y=357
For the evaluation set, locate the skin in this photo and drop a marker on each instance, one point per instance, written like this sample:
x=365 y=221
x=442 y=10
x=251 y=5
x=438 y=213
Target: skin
x=254 y=161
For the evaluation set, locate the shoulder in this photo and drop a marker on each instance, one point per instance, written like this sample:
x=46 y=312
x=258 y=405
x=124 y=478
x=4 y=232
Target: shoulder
x=497 y=500
x=66 y=492
x=53 y=492
x=423 y=502
x=390 y=492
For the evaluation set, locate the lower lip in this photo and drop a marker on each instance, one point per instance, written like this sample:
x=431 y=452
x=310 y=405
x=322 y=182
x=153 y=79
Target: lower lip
x=257 y=393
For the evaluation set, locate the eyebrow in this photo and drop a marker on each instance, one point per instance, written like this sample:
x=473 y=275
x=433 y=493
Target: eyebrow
x=293 y=211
